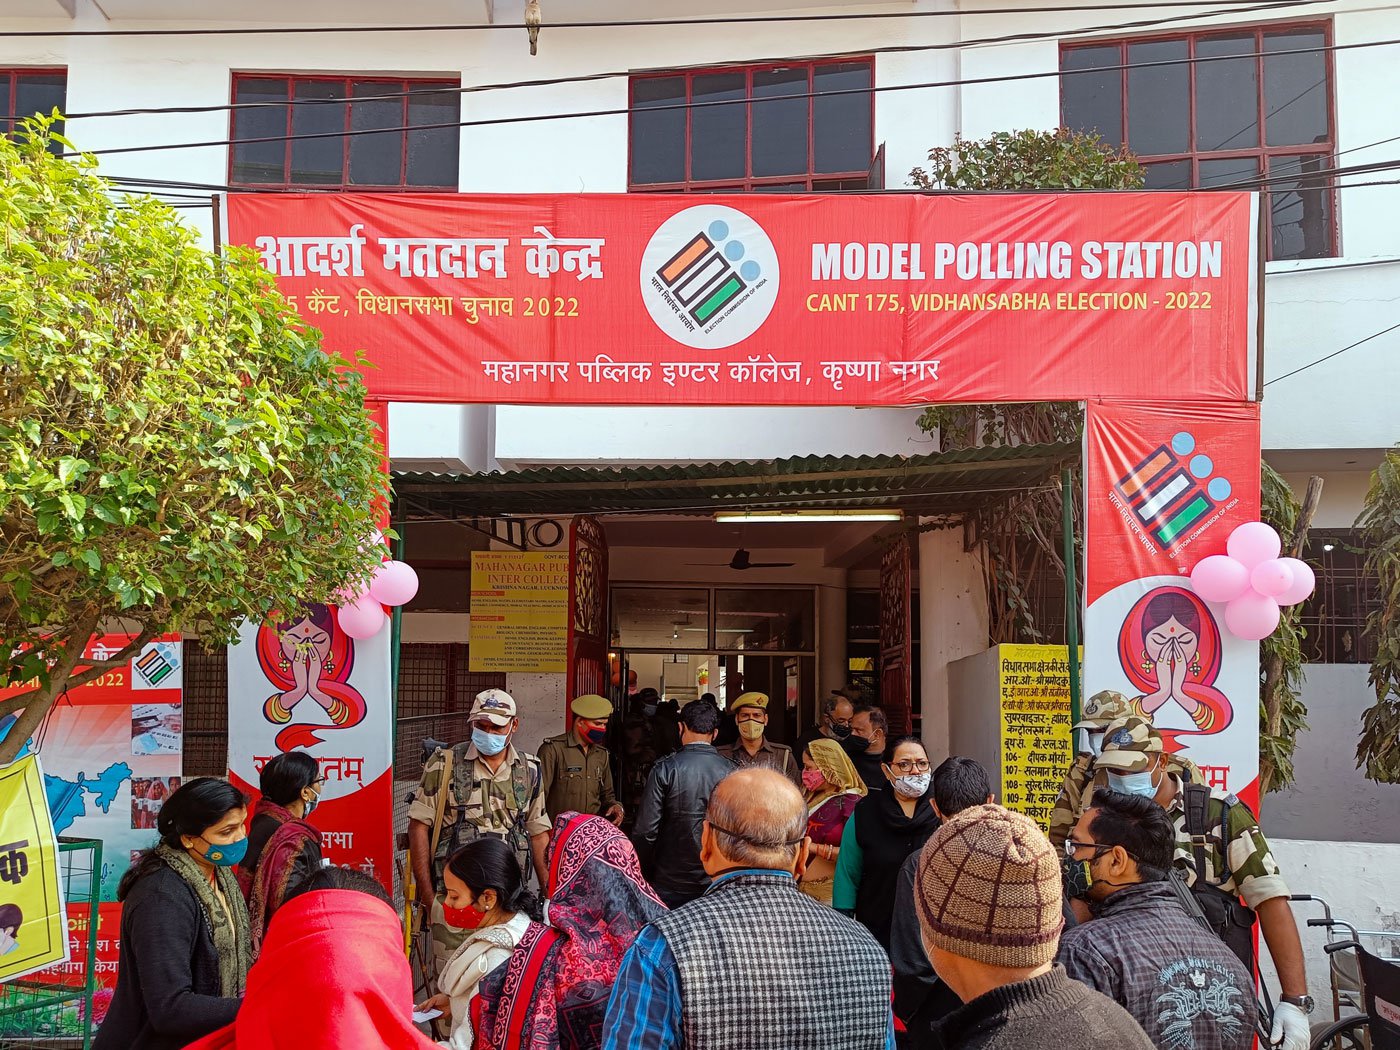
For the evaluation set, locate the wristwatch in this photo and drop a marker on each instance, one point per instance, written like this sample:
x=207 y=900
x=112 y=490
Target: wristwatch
x=1302 y=1002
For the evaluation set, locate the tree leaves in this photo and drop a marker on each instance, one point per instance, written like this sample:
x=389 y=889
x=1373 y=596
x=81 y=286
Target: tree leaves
x=174 y=445
x=1378 y=751
x=1015 y=160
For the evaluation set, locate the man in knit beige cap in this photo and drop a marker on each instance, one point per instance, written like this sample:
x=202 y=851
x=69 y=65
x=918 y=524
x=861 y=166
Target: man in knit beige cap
x=988 y=895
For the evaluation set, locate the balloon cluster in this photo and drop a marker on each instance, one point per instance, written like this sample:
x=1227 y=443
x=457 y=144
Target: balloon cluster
x=1253 y=580
x=362 y=614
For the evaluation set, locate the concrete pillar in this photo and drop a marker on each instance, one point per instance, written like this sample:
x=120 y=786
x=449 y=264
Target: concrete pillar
x=953 y=622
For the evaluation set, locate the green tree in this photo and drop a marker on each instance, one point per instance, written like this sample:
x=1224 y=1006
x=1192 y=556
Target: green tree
x=176 y=451
x=1379 y=750
x=1030 y=160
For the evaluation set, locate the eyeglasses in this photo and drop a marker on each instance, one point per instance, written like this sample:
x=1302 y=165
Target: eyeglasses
x=912 y=765
x=1072 y=846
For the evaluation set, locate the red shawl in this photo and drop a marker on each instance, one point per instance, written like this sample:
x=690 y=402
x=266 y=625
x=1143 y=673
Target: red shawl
x=332 y=976
x=553 y=993
x=275 y=866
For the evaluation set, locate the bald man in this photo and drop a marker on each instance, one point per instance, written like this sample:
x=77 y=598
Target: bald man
x=752 y=955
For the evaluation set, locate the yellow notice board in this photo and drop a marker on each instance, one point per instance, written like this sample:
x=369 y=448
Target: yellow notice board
x=520 y=611
x=33 y=927
x=1035 y=727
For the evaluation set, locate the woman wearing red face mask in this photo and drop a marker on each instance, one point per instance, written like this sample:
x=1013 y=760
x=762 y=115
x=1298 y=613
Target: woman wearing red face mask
x=486 y=897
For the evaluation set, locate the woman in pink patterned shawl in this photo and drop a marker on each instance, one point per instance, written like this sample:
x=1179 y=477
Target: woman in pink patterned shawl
x=554 y=990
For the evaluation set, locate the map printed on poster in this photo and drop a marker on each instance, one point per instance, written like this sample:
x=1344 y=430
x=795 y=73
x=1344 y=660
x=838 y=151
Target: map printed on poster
x=519 y=611
x=1168 y=484
x=32 y=924
x=770 y=299
x=302 y=683
x=112 y=749
x=1035 y=727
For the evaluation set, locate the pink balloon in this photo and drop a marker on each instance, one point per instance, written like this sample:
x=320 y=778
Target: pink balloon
x=1303 y=582
x=1219 y=579
x=1271 y=577
x=362 y=619
x=349 y=595
x=1253 y=542
x=394 y=583
x=1252 y=616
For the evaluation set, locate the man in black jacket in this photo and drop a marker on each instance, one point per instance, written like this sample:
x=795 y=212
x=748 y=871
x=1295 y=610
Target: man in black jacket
x=667 y=833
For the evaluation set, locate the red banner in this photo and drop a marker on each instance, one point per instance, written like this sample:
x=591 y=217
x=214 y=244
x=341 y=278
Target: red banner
x=152 y=676
x=772 y=300
x=1165 y=484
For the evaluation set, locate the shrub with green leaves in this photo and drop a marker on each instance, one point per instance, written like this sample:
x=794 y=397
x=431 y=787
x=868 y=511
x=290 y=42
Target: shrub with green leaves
x=176 y=451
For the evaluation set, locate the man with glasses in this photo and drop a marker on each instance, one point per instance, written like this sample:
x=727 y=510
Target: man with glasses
x=834 y=723
x=482 y=786
x=753 y=748
x=1181 y=983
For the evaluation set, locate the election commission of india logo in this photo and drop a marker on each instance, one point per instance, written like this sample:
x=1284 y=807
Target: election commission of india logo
x=709 y=277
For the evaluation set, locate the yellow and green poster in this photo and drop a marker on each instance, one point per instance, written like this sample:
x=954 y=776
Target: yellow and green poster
x=33 y=927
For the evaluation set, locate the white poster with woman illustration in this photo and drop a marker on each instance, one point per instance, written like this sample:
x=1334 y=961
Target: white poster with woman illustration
x=1165 y=484
x=300 y=682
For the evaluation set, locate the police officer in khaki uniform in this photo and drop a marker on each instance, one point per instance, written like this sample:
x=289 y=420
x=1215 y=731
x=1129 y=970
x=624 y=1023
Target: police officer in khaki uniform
x=753 y=748
x=1236 y=858
x=490 y=789
x=576 y=767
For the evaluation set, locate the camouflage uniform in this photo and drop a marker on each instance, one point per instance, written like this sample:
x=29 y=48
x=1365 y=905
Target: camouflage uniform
x=1099 y=711
x=1083 y=778
x=508 y=804
x=1251 y=871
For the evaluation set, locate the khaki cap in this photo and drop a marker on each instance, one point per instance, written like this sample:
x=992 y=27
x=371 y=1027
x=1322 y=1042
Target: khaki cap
x=495 y=705
x=1128 y=745
x=759 y=700
x=591 y=706
x=1103 y=708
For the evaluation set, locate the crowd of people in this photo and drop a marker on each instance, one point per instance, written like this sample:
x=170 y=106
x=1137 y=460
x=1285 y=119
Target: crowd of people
x=764 y=898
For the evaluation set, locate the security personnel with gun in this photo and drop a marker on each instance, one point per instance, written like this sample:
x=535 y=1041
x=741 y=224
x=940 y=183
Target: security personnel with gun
x=1223 y=857
x=483 y=786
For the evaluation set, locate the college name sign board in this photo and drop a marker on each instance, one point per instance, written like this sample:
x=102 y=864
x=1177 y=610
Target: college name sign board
x=772 y=300
x=519 y=611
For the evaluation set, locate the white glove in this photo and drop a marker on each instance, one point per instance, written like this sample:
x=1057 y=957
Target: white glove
x=1291 y=1030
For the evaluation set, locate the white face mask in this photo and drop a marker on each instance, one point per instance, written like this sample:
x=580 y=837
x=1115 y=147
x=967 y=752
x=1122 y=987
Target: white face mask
x=1090 y=742
x=912 y=786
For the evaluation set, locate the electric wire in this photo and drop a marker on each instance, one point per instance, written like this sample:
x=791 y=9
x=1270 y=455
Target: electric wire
x=1335 y=353
x=469 y=89
x=619 y=23
x=615 y=112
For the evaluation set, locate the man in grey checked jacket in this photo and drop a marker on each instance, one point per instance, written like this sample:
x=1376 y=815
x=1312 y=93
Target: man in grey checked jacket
x=1183 y=984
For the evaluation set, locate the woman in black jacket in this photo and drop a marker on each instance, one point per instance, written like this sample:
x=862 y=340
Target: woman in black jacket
x=185 y=945
x=884 y=829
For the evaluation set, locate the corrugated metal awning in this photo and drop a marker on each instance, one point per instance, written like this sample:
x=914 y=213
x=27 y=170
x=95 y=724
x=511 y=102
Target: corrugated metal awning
x=938 y=484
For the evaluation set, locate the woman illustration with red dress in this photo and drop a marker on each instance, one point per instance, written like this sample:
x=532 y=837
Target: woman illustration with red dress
x=308 y=657
x=1169 y=647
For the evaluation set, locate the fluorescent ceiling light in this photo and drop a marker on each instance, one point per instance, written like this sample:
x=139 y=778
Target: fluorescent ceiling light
x=754 y=517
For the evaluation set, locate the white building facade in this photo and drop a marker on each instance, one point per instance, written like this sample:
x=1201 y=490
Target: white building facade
x=1208 y=94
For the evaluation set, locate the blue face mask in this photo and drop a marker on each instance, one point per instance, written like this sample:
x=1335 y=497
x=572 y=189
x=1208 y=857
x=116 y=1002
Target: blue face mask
x=1133 y=783
x=226 y=856
x=490 y=743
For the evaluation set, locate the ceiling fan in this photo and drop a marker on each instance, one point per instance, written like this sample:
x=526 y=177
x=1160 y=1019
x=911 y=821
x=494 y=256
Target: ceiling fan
x=741 y=561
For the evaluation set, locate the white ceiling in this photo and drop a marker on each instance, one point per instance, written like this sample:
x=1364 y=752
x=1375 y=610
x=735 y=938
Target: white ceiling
x=301 y=12
x=37 y=8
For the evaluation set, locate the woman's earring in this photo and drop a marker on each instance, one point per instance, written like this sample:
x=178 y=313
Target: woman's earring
x=1195 y=665
x=1147 y=661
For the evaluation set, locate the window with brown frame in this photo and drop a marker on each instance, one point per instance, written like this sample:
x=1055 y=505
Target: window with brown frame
x=25 y=92
x=789 y=128
x=1191 y=108
x=409 y=153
